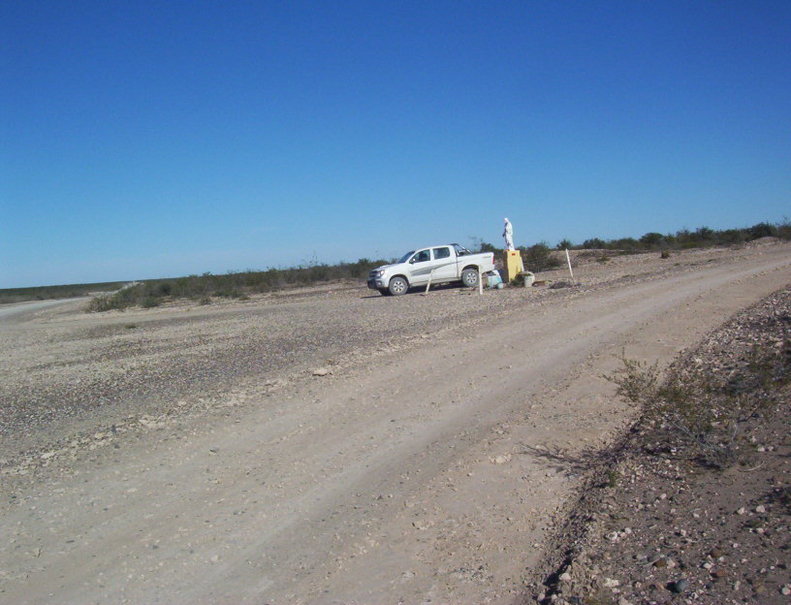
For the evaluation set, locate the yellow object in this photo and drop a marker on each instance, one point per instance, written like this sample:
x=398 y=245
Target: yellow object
x=513 y=264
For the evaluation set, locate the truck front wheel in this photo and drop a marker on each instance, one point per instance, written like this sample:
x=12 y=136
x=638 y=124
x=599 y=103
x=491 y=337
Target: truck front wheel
x=398 y=286
x=469 y=277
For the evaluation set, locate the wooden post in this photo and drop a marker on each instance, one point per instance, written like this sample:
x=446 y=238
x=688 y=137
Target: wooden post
x=428 y=285
x=568 y=260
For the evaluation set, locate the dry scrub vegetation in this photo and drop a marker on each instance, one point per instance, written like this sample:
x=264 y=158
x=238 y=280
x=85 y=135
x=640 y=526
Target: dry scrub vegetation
x=704 y=412
x=537 y=257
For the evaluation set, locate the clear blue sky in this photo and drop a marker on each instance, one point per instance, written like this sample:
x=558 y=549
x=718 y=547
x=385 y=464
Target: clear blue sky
x=152 y=139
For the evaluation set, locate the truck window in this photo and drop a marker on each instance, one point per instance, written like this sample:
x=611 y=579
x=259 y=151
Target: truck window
x=441 y=253
x=406 y=256
x=421 y=257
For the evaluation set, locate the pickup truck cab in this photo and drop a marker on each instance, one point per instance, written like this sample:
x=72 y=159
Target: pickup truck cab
x=439 y=264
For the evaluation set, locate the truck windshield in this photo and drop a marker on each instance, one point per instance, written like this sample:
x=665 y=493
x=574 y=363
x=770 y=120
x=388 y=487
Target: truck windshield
x=406 y=256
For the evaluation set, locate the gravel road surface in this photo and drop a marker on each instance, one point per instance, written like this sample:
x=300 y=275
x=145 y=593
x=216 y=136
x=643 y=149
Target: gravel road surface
x=16 y=311
x=328 y=445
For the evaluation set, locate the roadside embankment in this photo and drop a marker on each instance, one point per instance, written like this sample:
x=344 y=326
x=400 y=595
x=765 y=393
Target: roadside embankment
x=694 y=502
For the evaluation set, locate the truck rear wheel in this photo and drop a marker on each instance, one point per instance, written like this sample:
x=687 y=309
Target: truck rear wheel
x=398 y=286
x=469 y=277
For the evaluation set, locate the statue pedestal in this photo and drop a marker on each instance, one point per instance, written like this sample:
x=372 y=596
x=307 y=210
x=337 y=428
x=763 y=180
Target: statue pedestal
x=513 y=264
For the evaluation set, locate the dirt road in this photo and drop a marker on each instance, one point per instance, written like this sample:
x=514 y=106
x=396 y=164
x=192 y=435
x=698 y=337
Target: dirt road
x=409 y=473
x=14 y=311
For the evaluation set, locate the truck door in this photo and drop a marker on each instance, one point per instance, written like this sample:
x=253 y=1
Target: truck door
x=443 y=265
x=420 y=267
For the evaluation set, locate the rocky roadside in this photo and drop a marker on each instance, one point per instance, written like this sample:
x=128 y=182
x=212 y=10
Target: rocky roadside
x=672 y=515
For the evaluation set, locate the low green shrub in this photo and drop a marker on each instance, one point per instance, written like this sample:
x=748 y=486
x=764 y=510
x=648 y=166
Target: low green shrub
x=704 y=411
x=150 y=302
x=539 y=258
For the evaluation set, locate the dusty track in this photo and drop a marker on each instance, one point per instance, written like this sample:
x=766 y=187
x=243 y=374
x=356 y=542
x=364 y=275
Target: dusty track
x=404 y=476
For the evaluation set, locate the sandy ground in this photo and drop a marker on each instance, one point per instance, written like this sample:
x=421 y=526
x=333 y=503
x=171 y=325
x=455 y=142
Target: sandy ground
x=197 y=454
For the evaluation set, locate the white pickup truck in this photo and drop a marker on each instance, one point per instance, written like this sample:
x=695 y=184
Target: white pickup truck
x=440 y=264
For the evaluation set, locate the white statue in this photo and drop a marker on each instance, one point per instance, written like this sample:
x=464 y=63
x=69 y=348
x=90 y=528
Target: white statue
x=508 y=234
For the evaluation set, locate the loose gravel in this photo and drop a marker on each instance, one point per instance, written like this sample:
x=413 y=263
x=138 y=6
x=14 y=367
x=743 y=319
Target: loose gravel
x=73 y=373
